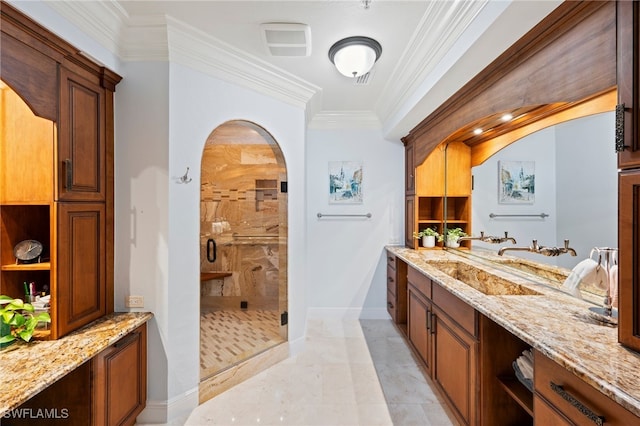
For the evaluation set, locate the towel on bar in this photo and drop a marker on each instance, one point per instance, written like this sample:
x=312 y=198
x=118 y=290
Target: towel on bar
x=588 y=271
x=613 y=285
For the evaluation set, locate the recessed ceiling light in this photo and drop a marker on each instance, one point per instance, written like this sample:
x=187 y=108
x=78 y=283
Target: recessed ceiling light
x=507 y=117
x=477 y=131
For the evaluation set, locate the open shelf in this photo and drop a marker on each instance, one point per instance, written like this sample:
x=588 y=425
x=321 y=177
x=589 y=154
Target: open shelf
x=42 y=266
x=519 y=393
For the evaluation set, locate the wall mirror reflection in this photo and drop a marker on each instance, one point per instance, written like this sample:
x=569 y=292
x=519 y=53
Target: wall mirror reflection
x=575 y=185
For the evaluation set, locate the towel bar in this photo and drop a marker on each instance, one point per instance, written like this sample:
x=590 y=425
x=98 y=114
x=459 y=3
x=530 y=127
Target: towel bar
x=344 y=215
x=541 y=215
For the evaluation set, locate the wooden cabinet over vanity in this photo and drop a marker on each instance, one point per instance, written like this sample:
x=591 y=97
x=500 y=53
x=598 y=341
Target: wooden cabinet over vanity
x=56 y=172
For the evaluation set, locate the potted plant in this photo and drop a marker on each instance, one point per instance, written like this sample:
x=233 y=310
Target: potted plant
x=18 y=320
x=428 y=237
x=451 y=236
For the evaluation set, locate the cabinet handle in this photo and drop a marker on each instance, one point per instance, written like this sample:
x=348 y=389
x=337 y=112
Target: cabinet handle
x=212 y=251
x=620 y=146
x=431 y=322
x=390 y=279
x=428 y=320
x=68 y=174
x=390 y=305
x=599 y=420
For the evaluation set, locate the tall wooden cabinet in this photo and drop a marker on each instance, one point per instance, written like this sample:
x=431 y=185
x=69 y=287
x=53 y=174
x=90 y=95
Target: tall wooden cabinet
x=441 y=190
x=628 y=145
x=56 y=174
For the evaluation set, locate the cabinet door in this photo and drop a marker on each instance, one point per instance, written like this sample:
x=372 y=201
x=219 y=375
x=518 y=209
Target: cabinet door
x=409 y=222
x=81 y=144
x=455 y=355
x=628 y=64
x=81 y=281
x=418 y=326
x=629 y=259
x=120 y=380
x=410 y=169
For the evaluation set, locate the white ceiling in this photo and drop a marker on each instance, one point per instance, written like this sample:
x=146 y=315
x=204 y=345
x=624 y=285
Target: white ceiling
x=430 y=48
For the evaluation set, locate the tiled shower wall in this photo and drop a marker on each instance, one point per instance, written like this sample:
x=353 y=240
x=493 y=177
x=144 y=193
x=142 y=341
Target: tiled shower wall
x=244 y=211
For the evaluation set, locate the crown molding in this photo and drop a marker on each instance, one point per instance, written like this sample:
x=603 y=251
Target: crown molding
x=327 y=120
x=163 y=38
x=441 y=26
x=104 y=21
x=196 y=49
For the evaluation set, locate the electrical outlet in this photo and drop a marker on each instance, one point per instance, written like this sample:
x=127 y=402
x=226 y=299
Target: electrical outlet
x=134 y=302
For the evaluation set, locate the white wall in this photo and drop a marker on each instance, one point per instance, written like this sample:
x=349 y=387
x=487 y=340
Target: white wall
x=587 y=185
x=346 y=261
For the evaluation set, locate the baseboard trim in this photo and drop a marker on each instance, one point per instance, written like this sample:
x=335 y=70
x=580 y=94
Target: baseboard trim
x=162 y=412
x=348 y=313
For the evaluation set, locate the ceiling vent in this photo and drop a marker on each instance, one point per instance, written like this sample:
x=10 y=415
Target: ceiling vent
x=364 y=79
x=284 y=39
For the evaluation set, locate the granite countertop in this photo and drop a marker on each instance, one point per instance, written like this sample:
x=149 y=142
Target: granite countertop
x=554 y=323
x=29 y=368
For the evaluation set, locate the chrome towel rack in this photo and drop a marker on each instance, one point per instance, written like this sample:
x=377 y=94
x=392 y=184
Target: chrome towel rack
x=368 y=215
x=541 y=215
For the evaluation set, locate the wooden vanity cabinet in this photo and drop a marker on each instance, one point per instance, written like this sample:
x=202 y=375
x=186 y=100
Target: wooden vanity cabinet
x=562 y=398
x=110 y=389
x=455 y=354
x=442 y=330
x=397 y=290
x=120 y=380
x=419 y=316
x=65 y=200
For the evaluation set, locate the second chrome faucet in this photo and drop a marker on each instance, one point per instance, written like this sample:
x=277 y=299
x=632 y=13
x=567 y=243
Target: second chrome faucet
x=545 y=251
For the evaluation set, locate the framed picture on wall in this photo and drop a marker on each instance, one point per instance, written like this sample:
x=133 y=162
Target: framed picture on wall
x=345 y=182
x=516 y=182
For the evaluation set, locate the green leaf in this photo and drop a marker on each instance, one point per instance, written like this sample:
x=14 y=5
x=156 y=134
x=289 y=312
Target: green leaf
x=25 y=335
x=6 y=339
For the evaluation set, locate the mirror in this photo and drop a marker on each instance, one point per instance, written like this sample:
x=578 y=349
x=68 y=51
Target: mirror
x=567 y=171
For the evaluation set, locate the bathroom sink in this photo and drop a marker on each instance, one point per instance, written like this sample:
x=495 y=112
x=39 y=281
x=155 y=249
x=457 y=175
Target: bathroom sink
x=482 y=280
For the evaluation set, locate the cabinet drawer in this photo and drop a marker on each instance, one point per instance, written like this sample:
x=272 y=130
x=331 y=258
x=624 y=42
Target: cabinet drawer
x=391 y=280
x=455 y=308
x=576 y=400
x=391 y=260
x=419 y=281
x=392 y=306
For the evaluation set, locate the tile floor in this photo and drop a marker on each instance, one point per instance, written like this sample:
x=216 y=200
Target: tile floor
x=228 y=337
x=350 y=373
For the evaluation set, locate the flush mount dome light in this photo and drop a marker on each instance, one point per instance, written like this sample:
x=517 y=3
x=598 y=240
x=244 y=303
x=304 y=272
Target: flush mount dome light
x=355 y=56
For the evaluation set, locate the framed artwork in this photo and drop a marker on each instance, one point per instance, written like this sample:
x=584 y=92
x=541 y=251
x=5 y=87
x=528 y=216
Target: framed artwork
x=516 y=182
x=345 y=182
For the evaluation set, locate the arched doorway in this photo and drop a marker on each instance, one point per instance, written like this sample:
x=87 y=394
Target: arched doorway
x=243 y=246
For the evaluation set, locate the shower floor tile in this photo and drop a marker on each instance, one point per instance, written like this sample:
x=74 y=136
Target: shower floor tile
x=228 y=337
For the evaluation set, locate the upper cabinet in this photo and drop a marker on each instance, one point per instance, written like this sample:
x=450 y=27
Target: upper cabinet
x=627 y=116
x=56 y=174
x=629 y=178
x=81 y=141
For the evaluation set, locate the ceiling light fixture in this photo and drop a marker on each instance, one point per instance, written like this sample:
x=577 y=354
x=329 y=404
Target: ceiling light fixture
x=477 y=131
x=507 y=117
x=355 y=56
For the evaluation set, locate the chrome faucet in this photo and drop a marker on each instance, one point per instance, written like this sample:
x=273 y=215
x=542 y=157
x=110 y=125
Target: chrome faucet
x=490 y=239
x=545 y=251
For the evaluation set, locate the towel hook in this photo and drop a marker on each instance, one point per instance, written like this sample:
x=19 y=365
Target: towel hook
x=185 y=178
